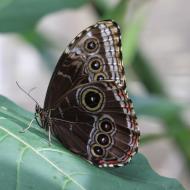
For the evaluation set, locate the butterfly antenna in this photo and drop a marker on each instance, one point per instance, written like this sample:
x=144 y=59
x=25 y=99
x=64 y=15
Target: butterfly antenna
x=27 y=93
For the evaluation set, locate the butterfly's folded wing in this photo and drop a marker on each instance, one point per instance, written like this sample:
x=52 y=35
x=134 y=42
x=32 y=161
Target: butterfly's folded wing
x=97 y=121
x=95 y=54
x=90 y=111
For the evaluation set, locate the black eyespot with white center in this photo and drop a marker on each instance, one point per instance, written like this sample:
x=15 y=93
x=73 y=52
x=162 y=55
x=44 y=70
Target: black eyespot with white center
x=95 y=64
x=106 y=125
x=103 y=139
x=92 y=99
x=91 y=45
x=97 y=151
x=100 y=76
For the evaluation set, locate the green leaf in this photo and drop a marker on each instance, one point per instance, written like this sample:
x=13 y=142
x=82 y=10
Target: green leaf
x=27 y=162
x=22 y=15
x=5 y=3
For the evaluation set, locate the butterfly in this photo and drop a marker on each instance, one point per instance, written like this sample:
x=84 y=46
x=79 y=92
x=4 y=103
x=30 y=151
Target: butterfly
x=86 y=106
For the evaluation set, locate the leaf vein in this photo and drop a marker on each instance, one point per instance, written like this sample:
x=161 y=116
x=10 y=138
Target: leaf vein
x=18 y=165
x=43 y=157
x=54 y=150
x=3 y=137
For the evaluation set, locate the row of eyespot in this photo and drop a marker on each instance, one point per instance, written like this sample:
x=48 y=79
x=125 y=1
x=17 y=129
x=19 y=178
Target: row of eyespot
x=95 y=65
x=103 y=138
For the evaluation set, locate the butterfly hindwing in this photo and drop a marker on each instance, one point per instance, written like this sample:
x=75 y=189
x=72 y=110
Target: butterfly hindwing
x=96 y=121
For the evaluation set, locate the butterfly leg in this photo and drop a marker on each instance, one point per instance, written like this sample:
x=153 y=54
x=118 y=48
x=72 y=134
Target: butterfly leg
x=49 y=130
x=49 y=137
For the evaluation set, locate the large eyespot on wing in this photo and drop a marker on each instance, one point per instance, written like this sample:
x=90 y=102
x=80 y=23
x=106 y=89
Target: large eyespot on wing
x=91 y=45
x=91 y=99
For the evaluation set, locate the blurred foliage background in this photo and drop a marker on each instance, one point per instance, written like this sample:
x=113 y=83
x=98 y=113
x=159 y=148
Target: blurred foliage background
x=155 y=39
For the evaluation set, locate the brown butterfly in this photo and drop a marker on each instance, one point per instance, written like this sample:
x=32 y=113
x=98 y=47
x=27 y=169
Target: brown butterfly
x=86 y=106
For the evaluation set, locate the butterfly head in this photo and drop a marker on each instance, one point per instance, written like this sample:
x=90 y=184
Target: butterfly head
x=40 y=113
x=38 y=109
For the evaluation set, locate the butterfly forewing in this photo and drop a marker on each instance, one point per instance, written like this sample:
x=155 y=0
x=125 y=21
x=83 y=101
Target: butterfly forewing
x=95 y=54
x=88 y=108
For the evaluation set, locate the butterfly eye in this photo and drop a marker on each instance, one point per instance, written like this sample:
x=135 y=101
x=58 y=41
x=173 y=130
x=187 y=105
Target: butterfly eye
x=103 y=139
x=95 y=64
x=91 y=45
x=92 y=99
x=97 y=151
x=106 y=125
x=100 y=76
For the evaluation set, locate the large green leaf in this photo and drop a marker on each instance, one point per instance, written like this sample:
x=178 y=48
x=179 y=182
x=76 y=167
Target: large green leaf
x=22 y=15
x=27 y=162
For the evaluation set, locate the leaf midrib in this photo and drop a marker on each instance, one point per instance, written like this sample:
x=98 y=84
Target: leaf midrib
x=43 y=157
x=57 y=168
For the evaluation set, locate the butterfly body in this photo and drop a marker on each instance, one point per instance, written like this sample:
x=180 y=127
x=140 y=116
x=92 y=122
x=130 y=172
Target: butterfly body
x=86 y=106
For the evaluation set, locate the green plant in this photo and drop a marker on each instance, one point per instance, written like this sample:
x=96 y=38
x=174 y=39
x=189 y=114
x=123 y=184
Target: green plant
x=21 y=158
x=27 y=162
